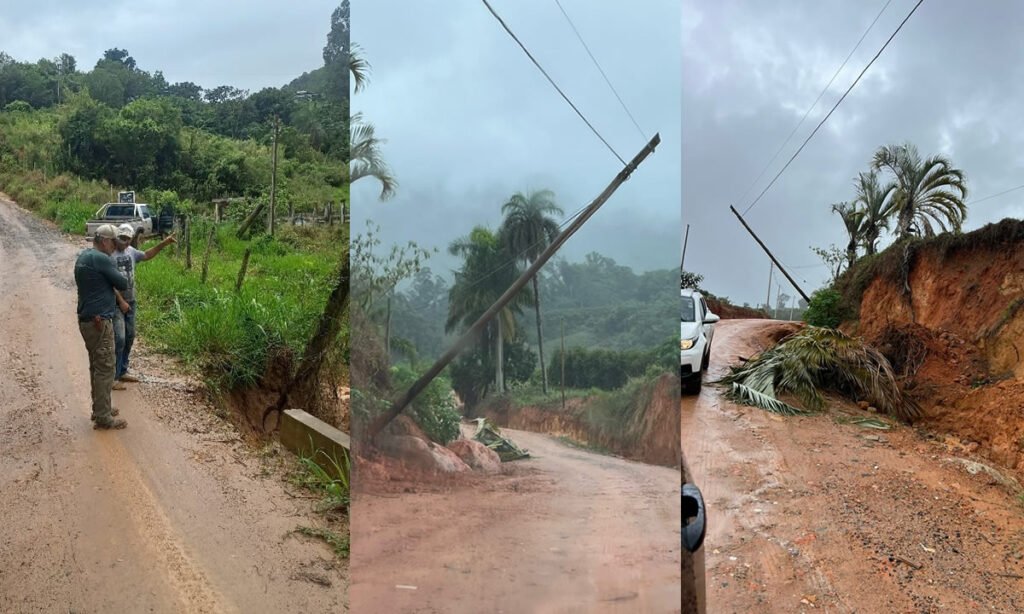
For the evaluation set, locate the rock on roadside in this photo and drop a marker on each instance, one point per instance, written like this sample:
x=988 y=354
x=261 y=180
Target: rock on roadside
x=422 y=454
x=476 y=455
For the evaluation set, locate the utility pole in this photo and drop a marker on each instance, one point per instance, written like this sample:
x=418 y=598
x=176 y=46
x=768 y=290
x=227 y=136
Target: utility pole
x=771 y=273
x=770 y=255
x=791 y=308
x=467 y=337
x=273 y=176
x=563 y=362
x=685 y=239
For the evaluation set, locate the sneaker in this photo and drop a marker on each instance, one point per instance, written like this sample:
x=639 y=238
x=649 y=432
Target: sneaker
x=129 y=378
x=111 y=424
x=119 y=386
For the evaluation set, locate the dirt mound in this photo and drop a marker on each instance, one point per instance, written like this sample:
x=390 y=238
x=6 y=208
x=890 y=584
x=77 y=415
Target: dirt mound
x=728 y=311
x=770 y=335
x=947 y=313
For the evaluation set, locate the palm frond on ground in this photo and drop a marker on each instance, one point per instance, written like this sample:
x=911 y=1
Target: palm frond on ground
x=811 y=361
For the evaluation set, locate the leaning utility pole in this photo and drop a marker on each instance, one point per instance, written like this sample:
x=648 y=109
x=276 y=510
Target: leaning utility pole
x=382 y=420
x=685 y=238
x=770 y=255
x=273 y=177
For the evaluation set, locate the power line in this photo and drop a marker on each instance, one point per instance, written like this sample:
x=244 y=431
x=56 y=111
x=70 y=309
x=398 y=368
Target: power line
x=981 y=200
x=814 y=104
x=550 y=80
x=606 y=80
x=834 y=107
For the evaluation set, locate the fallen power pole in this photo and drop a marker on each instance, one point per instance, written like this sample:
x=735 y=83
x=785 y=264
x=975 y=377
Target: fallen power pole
x=382 y=420
x=770 y=255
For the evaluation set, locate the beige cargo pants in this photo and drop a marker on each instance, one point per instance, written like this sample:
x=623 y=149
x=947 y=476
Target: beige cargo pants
x=100 y=344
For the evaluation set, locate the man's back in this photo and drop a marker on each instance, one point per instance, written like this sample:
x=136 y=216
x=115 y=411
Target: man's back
x=96 y=276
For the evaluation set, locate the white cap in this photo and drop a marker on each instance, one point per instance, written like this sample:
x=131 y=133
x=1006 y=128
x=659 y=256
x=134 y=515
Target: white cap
x=125 y=230
x=106 y=231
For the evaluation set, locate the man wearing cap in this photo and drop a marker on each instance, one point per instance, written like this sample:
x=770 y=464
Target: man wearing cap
x=96 y=278
x=125 y=257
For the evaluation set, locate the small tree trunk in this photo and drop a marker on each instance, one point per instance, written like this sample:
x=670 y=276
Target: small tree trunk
x=499 y=371
x=387 y=330
x=327 y=329
x=540 y=335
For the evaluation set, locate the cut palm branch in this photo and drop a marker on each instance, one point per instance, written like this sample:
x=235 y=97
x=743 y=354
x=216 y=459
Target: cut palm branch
x=813 y=360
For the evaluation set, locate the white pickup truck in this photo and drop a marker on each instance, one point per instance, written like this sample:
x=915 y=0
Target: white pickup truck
x=125 y=211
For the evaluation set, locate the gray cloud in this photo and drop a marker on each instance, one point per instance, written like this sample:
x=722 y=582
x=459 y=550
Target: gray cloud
x=469 y=120
x=949 y=82
x=250 y=45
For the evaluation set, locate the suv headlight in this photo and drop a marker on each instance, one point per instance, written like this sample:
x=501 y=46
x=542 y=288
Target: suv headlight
x=685 y=344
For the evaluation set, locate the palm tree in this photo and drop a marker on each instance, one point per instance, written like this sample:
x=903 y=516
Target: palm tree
x=486 y=273
x=358 y=67
x=853 y=219
x=929 y=190
x=874 y=200
x=528 y=230
x=366 y=159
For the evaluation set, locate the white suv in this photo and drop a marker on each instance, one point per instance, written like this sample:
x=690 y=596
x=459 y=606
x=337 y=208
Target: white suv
x=696 y=329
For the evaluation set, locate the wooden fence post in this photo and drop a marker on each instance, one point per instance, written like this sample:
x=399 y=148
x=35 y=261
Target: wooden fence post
x=241 y=272
x=188 y=243
x=206 y=254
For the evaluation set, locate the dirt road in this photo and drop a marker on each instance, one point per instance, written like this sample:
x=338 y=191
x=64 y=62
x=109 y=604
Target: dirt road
x=811 y=513
x=565 y=531
x=173 y=514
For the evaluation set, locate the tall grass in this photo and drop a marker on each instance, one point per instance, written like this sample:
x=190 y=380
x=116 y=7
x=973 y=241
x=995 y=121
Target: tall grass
x=226 y=335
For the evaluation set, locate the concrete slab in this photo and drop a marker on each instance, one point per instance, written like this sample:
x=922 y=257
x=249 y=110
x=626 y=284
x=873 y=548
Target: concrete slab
x=304 y=434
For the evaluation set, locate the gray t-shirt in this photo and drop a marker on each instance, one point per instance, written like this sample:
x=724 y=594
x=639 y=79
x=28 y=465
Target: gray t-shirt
x=96 y=277
x=125 y=263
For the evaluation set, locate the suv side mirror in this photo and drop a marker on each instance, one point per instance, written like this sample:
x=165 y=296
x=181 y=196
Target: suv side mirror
x=710 y=318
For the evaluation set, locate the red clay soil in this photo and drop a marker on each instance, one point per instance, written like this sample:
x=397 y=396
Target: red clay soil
x=959 y=332
x=649 y=437
x=728 y=311
x=815 y=513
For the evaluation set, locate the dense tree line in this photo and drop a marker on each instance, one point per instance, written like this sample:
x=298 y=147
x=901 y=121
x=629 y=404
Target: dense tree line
x=130 y=127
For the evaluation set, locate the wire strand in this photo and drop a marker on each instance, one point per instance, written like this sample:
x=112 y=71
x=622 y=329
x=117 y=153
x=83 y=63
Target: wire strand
x=598 y=65
x=990 y=197
x=814 y=104
x=550 y=80
x=834 y=107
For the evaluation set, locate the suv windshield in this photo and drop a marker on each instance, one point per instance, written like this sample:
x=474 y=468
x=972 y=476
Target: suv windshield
x=688 y=314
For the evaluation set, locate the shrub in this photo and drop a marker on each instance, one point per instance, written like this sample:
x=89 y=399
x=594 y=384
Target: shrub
x=825 y=308
x=434 y=409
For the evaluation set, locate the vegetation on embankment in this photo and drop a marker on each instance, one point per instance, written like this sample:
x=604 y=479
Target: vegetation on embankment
x=639 y=421
x=231 y=336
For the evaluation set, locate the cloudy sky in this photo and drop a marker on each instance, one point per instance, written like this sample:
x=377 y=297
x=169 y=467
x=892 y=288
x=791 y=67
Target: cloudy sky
x=469 y=120
x=250 y=45
x=950 y=82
